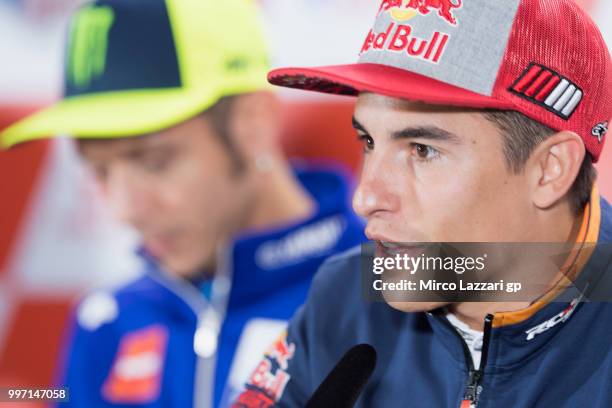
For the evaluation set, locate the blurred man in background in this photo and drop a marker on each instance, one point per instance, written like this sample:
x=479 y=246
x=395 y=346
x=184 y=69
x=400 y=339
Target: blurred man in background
x=169 y=102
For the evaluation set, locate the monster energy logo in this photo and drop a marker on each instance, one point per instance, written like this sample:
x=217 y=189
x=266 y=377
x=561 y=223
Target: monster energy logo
x=88 y=45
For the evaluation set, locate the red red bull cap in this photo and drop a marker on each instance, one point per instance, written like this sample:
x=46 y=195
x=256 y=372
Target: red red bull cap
x=543 y=58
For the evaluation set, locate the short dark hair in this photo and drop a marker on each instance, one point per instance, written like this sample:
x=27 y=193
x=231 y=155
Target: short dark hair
x=521 y=135
x=219 y=117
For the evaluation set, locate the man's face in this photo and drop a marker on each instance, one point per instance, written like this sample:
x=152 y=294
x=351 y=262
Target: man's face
x=178 y=188
x=435 y=174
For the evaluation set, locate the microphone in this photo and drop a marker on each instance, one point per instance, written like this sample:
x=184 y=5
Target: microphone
x=344 y=383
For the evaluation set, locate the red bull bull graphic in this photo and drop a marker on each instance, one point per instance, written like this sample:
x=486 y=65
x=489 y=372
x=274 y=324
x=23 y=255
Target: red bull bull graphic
x=404 y=10
x=270 y=378
x=398 y=38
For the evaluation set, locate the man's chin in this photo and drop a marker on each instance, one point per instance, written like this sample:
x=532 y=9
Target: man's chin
x=413 y=307
x=186 y=268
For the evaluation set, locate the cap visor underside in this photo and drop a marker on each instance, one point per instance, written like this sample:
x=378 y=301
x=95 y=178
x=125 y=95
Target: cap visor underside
x=381 y=79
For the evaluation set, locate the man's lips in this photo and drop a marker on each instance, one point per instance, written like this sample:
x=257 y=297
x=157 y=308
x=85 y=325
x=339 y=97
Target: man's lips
x=376 y=237
x=391 y=249
x=389 y=246
x=158 y=246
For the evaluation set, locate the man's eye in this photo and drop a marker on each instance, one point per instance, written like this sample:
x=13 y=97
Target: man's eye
x=424 y=152
x=100 y=172
x=368 y=142
x=156 y=162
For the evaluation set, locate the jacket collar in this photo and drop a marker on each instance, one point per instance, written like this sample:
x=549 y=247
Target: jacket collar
x=518 y=335
x=575 y=265
x=265 y=261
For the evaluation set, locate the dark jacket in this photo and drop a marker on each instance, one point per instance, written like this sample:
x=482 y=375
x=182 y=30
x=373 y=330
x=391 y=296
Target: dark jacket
x=424 y=362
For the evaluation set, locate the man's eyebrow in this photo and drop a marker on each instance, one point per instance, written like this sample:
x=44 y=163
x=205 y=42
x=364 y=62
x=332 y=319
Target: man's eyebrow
x=426 y=132
x=358 y=126
x=140 y=146
x=142 y=150
x=416 y=132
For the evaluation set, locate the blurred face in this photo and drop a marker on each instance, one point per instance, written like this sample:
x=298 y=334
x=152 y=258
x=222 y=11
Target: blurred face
x=179 y=188
x=435 y=174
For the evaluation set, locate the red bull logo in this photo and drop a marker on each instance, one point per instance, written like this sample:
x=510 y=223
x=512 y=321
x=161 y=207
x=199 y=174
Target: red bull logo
x=404 y=10
x=268 y=381
x=398 y=38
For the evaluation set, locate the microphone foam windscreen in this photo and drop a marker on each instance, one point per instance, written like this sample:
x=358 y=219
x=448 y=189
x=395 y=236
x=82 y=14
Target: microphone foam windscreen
x=344 y=383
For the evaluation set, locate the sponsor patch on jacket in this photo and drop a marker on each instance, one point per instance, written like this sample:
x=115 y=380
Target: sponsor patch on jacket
x=268 y=381
x=561 y=317
x=136 y=374
x=317 y=239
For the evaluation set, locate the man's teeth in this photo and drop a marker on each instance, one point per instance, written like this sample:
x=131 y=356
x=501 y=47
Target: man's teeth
x=390 y=245
x=394 y=248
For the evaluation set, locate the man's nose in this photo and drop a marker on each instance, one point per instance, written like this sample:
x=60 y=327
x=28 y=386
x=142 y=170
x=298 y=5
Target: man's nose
x=376 y=192
x=128 y=198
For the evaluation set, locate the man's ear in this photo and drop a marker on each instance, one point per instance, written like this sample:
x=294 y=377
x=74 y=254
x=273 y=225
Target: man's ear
x=254 y=123
x=554 y=166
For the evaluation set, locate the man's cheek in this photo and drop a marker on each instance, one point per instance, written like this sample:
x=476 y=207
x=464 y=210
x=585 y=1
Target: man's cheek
x=450 y=219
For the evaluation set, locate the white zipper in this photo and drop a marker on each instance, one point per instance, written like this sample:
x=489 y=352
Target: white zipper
x=205 y=341
x=210 y=315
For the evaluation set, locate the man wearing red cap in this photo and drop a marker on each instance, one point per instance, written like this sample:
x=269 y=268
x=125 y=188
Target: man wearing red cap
x=480 y=121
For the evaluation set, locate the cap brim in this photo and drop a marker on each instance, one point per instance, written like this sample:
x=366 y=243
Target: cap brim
x=381 y=79
x=110 y=115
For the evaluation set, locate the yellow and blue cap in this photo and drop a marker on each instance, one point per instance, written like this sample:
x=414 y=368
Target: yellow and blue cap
x=139 y=66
